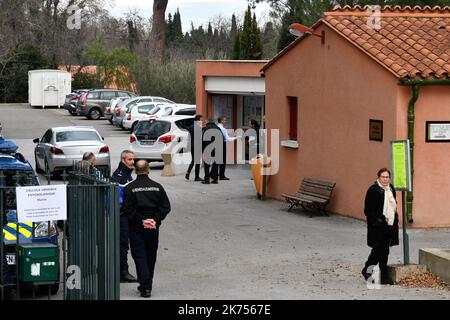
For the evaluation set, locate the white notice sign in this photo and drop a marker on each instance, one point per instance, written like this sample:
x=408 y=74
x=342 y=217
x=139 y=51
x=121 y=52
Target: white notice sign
x=41 y=203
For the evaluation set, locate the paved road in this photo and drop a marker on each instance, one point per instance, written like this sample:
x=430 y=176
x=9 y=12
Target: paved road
x=220 y=242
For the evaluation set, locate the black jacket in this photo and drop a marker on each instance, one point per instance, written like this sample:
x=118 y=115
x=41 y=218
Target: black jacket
x=195 y=136
x=145 y=199
x=122 y=175
x=377 y=227
x=210 y=132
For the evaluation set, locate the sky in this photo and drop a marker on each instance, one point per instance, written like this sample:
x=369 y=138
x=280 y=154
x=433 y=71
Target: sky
x=197 y=11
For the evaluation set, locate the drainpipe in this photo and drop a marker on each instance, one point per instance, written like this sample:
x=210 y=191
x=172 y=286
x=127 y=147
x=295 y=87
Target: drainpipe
x=415 y=86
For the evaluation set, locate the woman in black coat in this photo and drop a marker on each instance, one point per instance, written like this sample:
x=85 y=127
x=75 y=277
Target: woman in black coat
x=380 y=209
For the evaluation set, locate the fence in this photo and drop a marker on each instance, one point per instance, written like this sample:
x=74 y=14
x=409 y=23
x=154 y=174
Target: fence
x=88 y=245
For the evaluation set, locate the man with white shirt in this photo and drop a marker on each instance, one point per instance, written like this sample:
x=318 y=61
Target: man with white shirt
x=221 y=122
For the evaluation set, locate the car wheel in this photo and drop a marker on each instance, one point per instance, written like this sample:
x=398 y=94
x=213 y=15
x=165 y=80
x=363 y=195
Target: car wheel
x=95 y=114
x=73 y=113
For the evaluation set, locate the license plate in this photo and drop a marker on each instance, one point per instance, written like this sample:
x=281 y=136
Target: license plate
x=10 y=259
x=147 y=143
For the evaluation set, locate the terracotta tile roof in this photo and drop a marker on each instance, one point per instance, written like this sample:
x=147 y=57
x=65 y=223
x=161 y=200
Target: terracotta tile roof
x=412 y=43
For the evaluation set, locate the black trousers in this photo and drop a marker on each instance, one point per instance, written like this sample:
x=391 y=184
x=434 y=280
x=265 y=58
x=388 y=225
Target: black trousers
x=223 y=164
x=124 y=244
x=197 y=169
x=211 y=171
x=144 y=248
x=379 y=255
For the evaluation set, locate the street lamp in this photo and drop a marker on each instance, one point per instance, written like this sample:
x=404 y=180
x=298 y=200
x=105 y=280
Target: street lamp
x=299 y=30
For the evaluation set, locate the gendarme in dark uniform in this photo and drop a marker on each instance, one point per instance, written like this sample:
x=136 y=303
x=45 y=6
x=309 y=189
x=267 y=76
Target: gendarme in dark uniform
x=144 y=199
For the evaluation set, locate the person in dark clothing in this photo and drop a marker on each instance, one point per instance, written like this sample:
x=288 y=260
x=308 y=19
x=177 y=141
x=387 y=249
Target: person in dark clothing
x=380 y=209
x=122 y=176
x=213 y=140
x=195 y=135
x=255 y=141
x=146 y=204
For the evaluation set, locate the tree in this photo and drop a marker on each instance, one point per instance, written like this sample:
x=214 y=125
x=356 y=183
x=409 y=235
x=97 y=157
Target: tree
x=257 y=50
x=177 y=26
x=158 y=29
x=112 y=65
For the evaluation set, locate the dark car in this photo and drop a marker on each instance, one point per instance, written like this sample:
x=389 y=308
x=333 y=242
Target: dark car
x=93 y=103
x=71 y=101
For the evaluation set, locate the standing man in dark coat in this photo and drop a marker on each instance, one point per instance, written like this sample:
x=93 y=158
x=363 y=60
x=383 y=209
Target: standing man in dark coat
x=382 y=223
x=122 y=176
x=195 y=135
x=146 y=204
x=212 y=151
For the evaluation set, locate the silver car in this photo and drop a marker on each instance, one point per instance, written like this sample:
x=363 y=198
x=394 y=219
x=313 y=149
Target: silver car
x=62 y=147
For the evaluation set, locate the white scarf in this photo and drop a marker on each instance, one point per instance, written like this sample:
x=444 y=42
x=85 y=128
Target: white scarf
x=390 y=205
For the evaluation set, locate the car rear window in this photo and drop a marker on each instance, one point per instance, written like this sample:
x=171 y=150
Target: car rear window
x=77 y=136
x=152 y=129
x=108 y=95
x=185 y=123
x=145 y=108
x=154 y=110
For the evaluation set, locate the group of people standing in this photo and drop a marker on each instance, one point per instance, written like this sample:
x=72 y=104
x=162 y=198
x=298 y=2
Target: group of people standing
x=204 y=138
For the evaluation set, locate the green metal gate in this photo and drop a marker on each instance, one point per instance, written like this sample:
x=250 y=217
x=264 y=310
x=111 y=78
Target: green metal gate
x=91 y=239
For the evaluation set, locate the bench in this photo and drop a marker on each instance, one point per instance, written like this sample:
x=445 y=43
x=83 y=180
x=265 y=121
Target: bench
x=313 y=194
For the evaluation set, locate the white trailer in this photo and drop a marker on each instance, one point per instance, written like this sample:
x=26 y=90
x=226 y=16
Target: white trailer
x=48 y=87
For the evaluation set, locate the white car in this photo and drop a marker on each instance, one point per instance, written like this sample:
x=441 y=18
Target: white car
x=122 y=107
x=151 y=138
x=60 y=148
x=170 y=110
x=141 y=111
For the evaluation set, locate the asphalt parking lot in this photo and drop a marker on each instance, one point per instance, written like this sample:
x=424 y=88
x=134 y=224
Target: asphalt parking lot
x=221 y=242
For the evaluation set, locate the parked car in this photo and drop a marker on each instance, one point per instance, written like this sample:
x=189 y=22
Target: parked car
x=110 y=109
x=17 y=171
x=169 y=110
x=151 y=138
x=122 y=108
x=70 y=103
x=93 y=103
x=62 y=147
x=141 y=111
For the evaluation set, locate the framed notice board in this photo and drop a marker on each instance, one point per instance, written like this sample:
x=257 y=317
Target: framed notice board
x=375 y=130
x=437 y=131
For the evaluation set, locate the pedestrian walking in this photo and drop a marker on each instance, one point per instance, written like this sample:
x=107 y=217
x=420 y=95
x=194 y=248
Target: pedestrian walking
x=221 y=122
x=380 y=209
x=146 y=204
x=212 y=135
x=254 y=137
x=123 y=175
x=195 y=135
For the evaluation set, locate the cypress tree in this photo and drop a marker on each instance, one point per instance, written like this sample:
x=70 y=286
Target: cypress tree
x=237 y=46
x=177 y=26
x=257 y=44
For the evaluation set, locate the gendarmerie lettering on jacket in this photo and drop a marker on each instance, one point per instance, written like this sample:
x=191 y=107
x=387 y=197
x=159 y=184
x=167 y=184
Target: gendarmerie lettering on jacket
x=145 y=189
x=145 y=199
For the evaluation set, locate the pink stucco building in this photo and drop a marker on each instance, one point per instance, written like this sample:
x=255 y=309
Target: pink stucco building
x=323 y=95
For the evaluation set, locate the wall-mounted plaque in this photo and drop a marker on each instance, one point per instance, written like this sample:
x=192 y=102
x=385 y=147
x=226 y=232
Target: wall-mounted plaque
x=437 y=131
x=376 y=130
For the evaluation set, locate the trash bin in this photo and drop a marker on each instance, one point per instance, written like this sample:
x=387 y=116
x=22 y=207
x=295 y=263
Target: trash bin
x=38 y=262
x=260 y=180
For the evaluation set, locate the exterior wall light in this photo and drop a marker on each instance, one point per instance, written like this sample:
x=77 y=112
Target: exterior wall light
x=299 y=30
